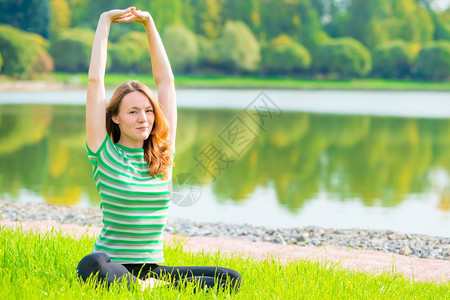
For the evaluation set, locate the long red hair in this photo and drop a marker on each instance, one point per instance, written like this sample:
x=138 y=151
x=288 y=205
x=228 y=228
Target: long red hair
x=156 y=147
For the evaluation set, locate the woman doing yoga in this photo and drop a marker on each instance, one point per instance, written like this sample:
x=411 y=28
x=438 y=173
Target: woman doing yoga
x=131 y=144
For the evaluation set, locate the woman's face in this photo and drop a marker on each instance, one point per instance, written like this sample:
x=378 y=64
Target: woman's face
x=135 y=119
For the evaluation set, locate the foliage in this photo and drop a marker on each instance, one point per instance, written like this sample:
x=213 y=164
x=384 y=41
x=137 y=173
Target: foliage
x=60 y=16
x=207 y=17
x=345 y=56
x=71 y=50
x=283 y=55
x=18 y=51
x=1 y=61
x=279 y=19
x=441 y=25
x=85 y=13
x=433 y=61
x=393 y=59
x=27 y=15
x=164 y=12
x=311 y=33
x=131 y=53
x=309 y=22
x=238 y=47
x=375 y=21
x=206 y=50
x=243 y=10
x=43 y=62
x=181 y=47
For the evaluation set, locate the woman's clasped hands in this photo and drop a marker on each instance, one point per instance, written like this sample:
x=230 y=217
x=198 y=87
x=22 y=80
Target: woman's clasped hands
x=127 y=15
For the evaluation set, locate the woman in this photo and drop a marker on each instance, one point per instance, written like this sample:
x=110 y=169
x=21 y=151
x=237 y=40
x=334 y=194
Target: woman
x=132 y=157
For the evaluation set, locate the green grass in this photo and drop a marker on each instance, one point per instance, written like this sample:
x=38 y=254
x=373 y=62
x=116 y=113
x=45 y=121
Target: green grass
x=34 y=266
x=113 y=80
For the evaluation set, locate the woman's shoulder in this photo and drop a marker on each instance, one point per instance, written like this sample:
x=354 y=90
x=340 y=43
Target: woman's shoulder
x=106 y=140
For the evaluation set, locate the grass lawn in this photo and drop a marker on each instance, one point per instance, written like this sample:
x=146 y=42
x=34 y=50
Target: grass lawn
x=112 y=80
x=36 y=265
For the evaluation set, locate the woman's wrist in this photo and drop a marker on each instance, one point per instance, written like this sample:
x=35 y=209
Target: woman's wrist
x=105 y=18
x=148 y=22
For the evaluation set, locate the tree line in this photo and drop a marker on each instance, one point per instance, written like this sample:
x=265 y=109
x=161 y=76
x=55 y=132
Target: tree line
x=337 y=39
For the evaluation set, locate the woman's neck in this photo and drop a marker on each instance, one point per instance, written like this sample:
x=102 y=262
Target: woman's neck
x=131 y=144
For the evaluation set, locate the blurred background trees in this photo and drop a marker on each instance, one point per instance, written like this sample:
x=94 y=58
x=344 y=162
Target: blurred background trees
x=402 y=39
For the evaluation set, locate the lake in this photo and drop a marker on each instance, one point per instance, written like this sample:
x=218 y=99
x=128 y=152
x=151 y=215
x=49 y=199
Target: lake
x=276 y=158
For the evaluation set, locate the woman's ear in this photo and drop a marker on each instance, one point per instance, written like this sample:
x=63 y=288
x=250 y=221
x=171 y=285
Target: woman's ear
x=115 y=119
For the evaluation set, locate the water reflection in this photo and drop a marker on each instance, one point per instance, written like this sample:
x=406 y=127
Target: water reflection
x=378 y=160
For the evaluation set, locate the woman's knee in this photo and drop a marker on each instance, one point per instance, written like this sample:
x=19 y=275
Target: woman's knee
x=99 y=265
x=92 y=264
x=233 y=278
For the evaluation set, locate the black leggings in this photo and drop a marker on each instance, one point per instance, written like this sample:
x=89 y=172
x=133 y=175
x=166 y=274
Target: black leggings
x=100 y=263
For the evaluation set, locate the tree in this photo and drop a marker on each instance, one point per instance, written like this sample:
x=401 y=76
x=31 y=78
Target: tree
x=164 y=12
x=345 y=56
x=71 y=50
x=283 y=55
x=238 y=47
x=181 y=47
x=279 y=18
x=60 y=16
x=28 y=15
x=441 y=25
x=247 y=11
x=393 y=59
x=433 y=61
x=375 y=21
x=311 y=33
x=130 y=53
x=42 y=62
x=207 y=17
x=405 y=14
x=85 y=13
x=18 y=52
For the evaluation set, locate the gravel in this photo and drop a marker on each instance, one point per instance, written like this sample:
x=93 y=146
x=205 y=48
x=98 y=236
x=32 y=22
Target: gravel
x=422 y=246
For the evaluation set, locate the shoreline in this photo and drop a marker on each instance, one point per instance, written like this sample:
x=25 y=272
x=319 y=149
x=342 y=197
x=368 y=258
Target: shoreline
x=236 y=83
x=386 y=241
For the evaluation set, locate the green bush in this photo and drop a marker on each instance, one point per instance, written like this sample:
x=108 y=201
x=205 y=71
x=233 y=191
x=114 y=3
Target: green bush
x=181 y=46
x=433 y=61
x=1 y=61
x=283 y=55
x=71 y=50
x=206 y=49
x=131 y=53
x=43 y=62
x=393 y=59
x=345 y=56
x=17 y=50
x=238 y=47
x=25 y=53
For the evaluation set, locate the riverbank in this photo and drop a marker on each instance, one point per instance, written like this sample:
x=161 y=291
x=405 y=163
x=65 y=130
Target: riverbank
x=58 y=81
x=235 y=241
x=421 y=246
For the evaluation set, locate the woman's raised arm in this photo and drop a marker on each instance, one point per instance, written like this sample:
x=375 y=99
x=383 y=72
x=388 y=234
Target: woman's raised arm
x=162 y=72
x=164 y=79
x=96 y=103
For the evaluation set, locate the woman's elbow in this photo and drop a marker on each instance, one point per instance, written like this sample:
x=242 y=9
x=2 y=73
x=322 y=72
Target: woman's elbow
x=168 y=79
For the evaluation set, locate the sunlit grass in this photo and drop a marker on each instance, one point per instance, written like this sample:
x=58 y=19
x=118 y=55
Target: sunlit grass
x=113 y=80
x=36 y=265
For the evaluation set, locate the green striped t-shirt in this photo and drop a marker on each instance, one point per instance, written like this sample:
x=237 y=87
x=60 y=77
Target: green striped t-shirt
x=134 y=204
